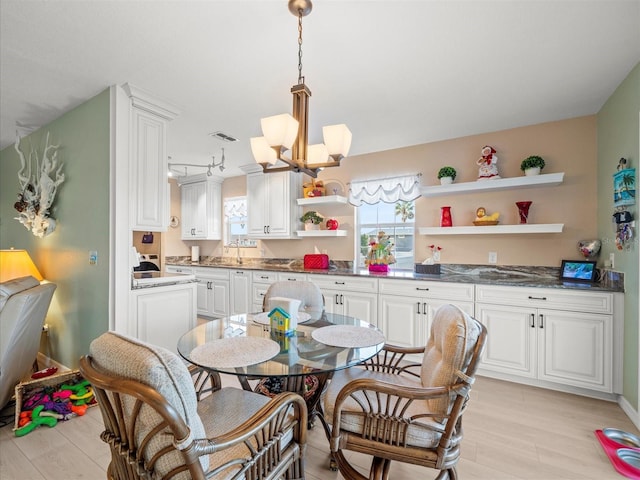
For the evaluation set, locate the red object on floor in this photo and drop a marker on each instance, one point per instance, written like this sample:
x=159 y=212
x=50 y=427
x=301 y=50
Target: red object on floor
x=47 y=372
x=610 y=448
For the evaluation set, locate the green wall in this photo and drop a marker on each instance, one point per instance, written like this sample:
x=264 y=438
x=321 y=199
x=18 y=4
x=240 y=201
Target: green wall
x=79 y=310
x=618 y=136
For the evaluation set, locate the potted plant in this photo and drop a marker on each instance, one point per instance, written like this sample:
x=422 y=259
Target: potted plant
x=311 y=220
x=532 y=165
x=447 y=175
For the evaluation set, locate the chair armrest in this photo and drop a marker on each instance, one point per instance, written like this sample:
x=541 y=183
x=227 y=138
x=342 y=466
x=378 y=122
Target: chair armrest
x=271 y=421
x=391 y=359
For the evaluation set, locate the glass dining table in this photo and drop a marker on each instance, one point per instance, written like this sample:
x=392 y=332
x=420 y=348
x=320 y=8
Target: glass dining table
x=244 y=345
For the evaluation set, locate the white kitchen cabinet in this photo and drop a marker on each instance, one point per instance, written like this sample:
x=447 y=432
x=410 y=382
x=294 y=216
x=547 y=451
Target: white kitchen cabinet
x=148 y=160
x=213 y=291
x=178 y=269
x=260 y=282
x=550 y=335
x=163 y=314
x=201 y=206
x=355 y=297
x=272 y=212
x=407 y=308
x=240 y=299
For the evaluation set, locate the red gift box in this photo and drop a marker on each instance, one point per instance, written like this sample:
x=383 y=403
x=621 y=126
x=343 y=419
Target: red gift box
x=316 y=261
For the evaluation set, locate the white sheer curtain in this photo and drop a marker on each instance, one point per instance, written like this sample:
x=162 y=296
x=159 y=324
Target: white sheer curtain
x=389 y=190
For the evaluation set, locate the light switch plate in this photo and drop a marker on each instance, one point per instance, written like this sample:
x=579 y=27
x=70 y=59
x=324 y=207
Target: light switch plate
x=493 y=257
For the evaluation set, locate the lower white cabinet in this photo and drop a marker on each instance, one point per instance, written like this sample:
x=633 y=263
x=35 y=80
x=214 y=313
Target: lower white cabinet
x=163 y=314
x=260 y=282
x=240 y=300
x=355 y=297
x=558 y=344
x=407 y=307
x=213 y=291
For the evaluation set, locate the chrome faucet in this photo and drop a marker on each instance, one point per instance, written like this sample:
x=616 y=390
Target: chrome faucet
x=236 y=244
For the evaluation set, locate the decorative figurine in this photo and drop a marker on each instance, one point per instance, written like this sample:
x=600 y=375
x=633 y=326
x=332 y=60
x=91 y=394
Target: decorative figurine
x=488 y=164
x=483 y=219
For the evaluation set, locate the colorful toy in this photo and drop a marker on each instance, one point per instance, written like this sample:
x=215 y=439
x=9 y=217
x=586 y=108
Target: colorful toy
x=488 y=164
x=36 y=420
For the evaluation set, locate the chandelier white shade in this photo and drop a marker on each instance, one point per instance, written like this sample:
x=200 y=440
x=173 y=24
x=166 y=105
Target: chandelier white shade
x=285 y=136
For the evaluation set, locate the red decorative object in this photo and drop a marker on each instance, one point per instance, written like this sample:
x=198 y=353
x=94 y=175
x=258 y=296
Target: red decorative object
x=315 y=261
x=445 y=217
x=332 y=224
x=378 y=267
x=523 y=210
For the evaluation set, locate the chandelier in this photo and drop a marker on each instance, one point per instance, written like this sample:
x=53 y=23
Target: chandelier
x=285 y=133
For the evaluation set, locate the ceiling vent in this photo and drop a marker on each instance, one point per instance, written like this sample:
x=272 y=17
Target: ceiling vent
x=223 y=136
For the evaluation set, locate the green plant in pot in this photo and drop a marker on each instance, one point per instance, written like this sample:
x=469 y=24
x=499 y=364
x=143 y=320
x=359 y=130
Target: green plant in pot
x=447 y=175
x=311 y=220
x=532 y=165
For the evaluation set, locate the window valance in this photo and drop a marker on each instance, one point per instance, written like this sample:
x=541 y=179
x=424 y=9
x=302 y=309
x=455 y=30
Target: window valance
x=389 y=190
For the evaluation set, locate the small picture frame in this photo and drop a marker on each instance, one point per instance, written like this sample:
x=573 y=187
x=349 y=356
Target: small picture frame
x=578 y=271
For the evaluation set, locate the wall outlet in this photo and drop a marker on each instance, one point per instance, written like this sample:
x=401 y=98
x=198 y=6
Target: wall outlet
x=612 y=260
x=93 y=257
x=493 y=257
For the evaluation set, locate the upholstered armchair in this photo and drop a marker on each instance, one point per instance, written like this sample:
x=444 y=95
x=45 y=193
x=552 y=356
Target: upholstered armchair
x=395 y=410
x=24 y=303
x=156 y=428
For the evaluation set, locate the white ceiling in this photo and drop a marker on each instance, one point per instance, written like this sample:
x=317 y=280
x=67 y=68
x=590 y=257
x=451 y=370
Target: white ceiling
x=398 y=73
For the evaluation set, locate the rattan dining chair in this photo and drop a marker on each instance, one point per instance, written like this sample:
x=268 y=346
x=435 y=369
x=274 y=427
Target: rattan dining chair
x=309 y=294
x=156 y=428
x=396 y=410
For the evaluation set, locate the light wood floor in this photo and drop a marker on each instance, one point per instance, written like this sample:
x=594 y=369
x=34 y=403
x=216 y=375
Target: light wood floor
x=511 y=432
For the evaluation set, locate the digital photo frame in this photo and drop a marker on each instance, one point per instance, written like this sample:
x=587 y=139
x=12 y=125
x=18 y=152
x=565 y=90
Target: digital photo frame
x=578 y=271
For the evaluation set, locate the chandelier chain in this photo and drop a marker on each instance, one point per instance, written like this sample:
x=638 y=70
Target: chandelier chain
x=300 y=76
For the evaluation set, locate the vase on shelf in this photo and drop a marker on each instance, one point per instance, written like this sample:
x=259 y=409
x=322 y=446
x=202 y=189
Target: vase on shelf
x=446 y=180
x=445 y=217
x=530 y=172
x=378 y=267
x=523 y=210
x=311 y=226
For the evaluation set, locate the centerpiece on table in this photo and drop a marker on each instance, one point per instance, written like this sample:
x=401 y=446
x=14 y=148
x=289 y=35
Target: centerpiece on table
x=379 y=256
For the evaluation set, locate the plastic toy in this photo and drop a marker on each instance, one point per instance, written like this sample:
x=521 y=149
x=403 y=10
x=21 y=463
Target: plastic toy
x=36 y=420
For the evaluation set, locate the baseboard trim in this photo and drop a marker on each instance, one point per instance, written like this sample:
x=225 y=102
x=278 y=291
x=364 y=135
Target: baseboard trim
x=632 y=413
x=46 y=362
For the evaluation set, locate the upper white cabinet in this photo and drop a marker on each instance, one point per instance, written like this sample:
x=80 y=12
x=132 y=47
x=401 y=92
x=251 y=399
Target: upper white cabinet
x=201 y=207
x=148 y=160
x=272 y=212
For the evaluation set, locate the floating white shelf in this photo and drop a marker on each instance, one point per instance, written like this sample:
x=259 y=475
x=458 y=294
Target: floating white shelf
x=324 y=200
x=494 y=229
x=546 y=180
x=322 y=233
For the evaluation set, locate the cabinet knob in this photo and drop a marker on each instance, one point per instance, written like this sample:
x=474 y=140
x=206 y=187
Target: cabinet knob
x=537 y=298
x=418 y=311
x=541 y=321
x=338 y=283
x=422 y=289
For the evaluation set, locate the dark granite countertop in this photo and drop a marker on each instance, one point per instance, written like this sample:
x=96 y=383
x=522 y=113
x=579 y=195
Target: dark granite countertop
x=517 y=276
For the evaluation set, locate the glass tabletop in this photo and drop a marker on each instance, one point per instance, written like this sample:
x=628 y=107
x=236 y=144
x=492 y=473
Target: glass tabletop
x=247 y=336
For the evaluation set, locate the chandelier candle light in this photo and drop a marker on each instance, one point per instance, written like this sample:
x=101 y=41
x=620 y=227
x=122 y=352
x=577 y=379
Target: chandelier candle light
x=285 y=132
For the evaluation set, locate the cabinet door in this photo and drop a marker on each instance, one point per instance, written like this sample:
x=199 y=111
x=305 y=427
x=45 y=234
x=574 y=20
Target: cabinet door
x=164 y=314
x=256 y=204
x=363 y=306
x=574 y=349
x=332 y=301
x=240 y=294
x=205 y=299
x=511 y=342
x=278 y=204
x=220 y=294
x=402 y=320
x=194 y=211
x=149 y=172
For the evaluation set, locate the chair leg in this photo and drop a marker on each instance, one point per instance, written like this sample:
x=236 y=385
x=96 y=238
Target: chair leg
x=449 y=474
x=379 y=469
x=346 y=470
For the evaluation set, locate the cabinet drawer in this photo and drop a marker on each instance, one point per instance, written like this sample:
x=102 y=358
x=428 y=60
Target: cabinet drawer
x=258 y=292
x=291 y=277
x=424 y=289
x=264 y=277
x=215 y=273
x=178 y=269
x=555 y=298
x=346 y=283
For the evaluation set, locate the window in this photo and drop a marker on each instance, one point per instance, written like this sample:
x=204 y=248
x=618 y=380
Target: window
x=235 y=222
x=397 y=220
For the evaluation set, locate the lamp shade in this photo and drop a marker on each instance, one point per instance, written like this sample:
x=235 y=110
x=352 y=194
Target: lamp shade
x=337 y=138
x=317 y=153
x=280 y=130
x=262 y=152
x=16 y=264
